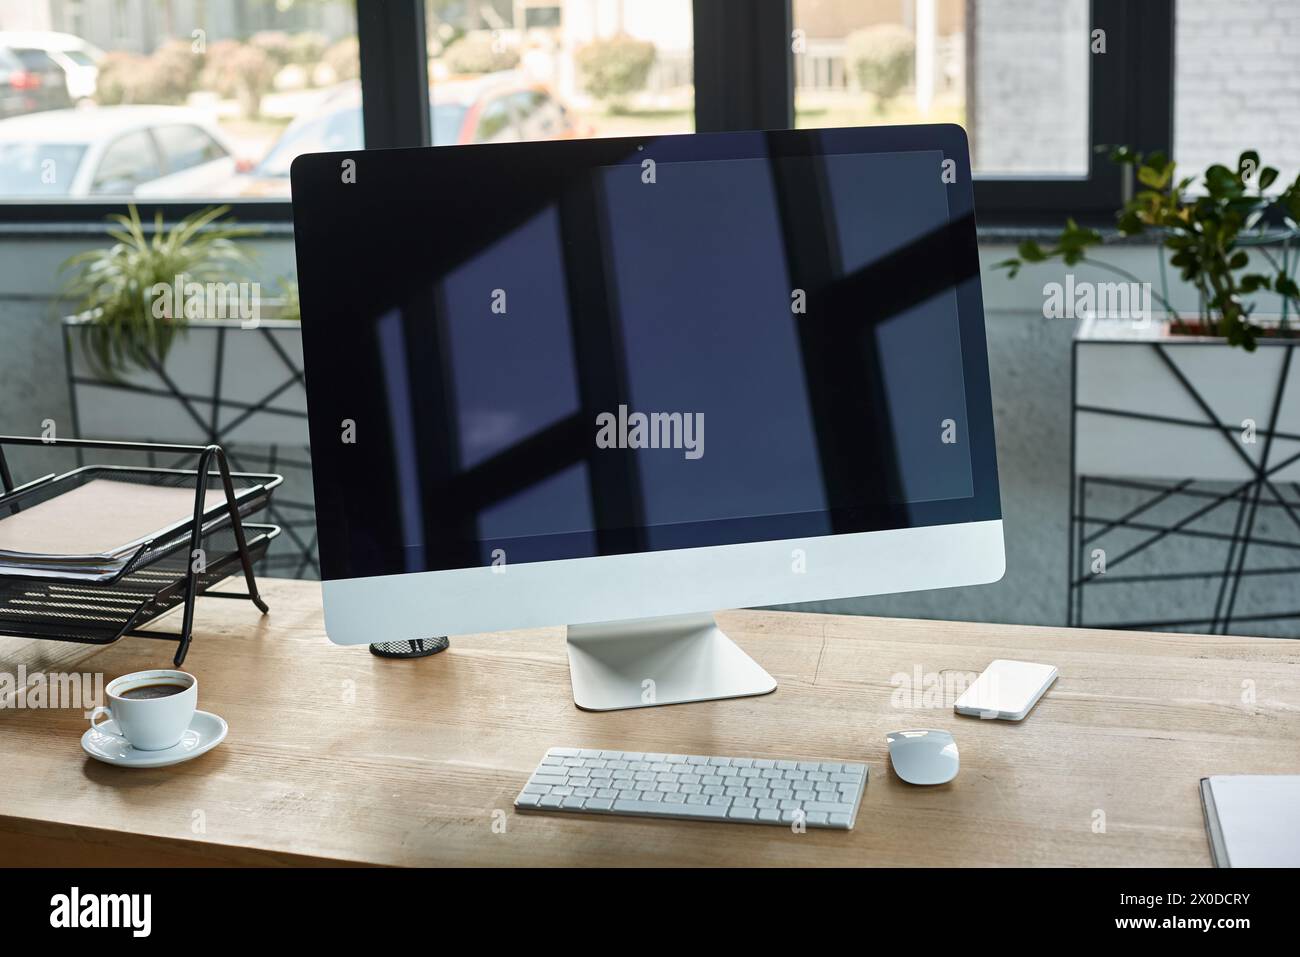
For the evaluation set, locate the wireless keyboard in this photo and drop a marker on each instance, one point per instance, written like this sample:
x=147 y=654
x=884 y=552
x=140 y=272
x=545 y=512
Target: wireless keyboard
x=696 y=787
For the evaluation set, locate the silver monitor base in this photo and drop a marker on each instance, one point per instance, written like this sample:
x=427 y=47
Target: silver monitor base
x=652 y=661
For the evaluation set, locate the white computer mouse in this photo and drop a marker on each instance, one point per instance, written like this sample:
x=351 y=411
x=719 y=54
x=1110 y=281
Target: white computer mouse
x=923 y=757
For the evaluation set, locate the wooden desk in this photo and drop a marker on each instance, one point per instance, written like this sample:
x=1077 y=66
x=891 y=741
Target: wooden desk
x=337 y=756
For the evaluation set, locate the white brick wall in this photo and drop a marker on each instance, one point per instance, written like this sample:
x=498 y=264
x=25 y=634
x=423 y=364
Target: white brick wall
x=1237 y=83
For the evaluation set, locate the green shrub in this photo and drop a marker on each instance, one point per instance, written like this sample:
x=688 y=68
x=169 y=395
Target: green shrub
x=344 y=58
x=614 y=68
x=881 y=59
x=276 y=44
x=479 y=53
x=181 y=66
x=131 y=78
x=239 y=71
x=307 y=49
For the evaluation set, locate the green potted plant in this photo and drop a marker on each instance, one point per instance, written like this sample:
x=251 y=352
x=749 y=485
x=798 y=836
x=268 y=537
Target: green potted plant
x=172 y=338
x=1156 y=395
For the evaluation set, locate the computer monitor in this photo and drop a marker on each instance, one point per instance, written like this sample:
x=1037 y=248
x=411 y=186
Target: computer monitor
x=616 y=384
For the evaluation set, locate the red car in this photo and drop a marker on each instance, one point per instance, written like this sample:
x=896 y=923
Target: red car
x=495 y=108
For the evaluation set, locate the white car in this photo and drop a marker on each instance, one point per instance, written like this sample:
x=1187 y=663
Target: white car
x=78 y=59
x=149 y=152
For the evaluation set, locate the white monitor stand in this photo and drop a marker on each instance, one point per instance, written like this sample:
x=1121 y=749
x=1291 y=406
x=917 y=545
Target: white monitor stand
x=643 y=662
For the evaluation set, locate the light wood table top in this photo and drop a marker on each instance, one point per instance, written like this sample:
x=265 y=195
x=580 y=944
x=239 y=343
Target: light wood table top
x=335 y=755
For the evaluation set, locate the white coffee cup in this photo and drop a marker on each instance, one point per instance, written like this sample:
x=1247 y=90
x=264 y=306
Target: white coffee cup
x=150 y=724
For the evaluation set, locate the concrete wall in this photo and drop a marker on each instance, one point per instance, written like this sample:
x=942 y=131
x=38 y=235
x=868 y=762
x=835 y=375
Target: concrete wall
x=1029 y=361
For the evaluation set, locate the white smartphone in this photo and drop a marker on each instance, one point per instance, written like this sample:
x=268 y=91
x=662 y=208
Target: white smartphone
x=1006 y=690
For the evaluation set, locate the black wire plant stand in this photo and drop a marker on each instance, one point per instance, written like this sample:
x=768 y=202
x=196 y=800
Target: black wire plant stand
x=1199 y=507
x=214 y=415
x=101 y=597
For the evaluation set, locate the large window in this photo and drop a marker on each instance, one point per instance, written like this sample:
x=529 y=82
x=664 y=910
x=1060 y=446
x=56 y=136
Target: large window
x=1013 y=72
x=505 y=70
x=216 y=98
x=117 y=99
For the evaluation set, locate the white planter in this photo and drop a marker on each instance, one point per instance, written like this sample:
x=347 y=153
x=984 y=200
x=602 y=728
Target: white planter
x=214 y=363
x=1119 y=370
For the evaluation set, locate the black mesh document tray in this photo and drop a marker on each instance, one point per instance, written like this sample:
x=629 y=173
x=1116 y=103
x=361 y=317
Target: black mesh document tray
x=95 y=553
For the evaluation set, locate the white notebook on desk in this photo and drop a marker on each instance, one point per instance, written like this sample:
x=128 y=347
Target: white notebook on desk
x=1253 y=820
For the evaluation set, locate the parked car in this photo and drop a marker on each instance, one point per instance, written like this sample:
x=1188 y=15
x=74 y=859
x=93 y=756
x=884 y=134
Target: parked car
x=30 y=81
x=144 y=151
x=77 y=59
x=497 y=108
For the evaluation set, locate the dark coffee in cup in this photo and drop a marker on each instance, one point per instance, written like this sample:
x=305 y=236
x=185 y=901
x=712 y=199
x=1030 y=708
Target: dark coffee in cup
x=162 y=689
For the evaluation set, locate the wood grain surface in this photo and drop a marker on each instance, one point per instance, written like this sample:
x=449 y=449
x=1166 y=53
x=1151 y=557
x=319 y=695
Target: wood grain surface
x=336 y=756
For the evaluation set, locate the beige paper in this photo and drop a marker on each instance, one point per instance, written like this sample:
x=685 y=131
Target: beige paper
x=102 y=517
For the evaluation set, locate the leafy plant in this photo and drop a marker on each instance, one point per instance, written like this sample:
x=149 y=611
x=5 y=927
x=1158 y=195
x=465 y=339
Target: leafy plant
x=114 y=287
x=479 y=53
x=132 y=78
x=239 y=71
x=343 y=59
x=290 y=303
x=1207 y=232
x=616 y=67
x=881 y=58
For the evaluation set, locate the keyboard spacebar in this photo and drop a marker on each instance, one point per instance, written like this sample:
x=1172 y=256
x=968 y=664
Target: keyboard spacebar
x=710 y=811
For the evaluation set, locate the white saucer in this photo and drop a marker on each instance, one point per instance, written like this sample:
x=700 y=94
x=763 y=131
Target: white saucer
x=104 y=743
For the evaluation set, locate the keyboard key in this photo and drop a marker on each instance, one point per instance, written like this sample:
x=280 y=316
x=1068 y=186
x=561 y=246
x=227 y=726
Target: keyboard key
x=703 y=811
x=742 y=814
x=816 y=807
x=528 y=800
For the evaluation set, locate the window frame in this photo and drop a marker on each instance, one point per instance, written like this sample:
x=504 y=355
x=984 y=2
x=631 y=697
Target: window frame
x=1130 y=102
x=744 y=80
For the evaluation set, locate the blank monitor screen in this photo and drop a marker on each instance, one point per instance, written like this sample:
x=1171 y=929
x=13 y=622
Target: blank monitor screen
x=561 y=350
